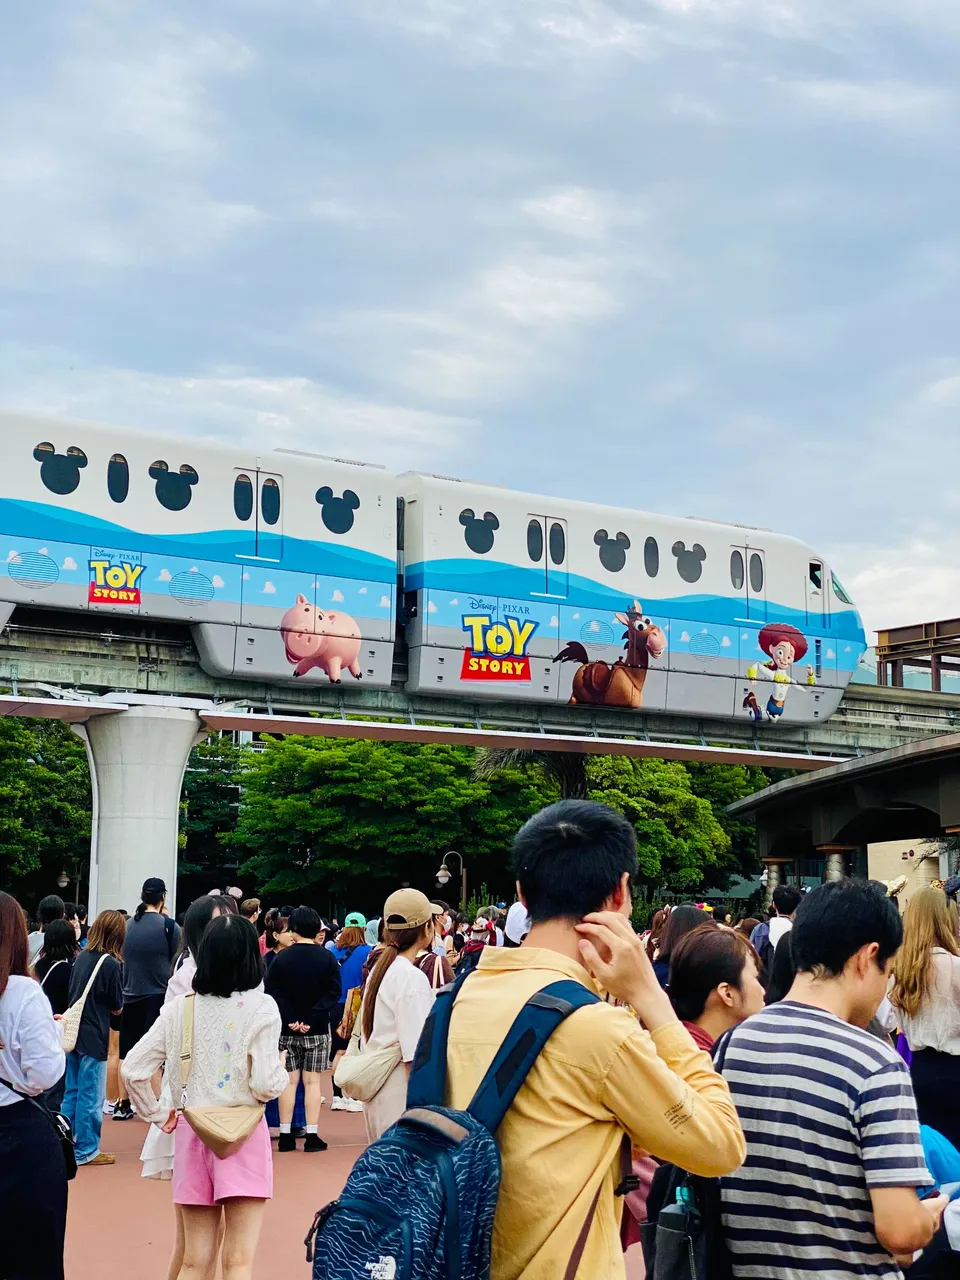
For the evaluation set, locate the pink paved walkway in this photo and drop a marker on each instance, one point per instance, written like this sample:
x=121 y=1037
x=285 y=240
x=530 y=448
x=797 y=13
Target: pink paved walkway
x=121 y=1225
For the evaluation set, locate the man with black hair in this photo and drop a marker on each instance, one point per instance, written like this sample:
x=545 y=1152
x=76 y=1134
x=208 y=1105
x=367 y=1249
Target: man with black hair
x=304 y=979
x=601 y=1075
x=834 y=1158
x=786 y=899
x=51 y=908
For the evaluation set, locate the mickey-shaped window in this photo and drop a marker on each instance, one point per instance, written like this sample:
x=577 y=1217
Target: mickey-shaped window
x=651 y=557
x=534 y=540
x=689 y=563
x=118 y=478
x=337 y=513
x=613 y=551
x=60 y=472
x=478 y=533
x=174 y=488
x=270 y=502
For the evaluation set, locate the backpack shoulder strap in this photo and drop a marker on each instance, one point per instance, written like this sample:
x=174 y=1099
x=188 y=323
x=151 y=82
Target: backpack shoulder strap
x=168 y=930
x=531 y=1029
x=428 y=1073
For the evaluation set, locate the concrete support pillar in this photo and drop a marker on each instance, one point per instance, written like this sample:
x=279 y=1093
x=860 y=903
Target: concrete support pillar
x=773 y=880
x=834 y=867
x=137 y=761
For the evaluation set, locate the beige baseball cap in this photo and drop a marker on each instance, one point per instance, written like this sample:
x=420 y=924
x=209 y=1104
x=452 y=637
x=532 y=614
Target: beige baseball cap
x=408 y=909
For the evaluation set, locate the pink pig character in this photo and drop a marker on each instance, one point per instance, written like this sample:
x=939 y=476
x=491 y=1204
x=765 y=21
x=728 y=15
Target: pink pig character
x=313 y=638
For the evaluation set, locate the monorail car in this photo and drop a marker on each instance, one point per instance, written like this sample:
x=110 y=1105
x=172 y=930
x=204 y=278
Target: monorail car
x=287 y=568
x=520 y=596
x=283 y=564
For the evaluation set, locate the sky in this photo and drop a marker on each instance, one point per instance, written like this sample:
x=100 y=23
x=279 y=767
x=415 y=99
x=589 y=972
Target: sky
x=699 y=257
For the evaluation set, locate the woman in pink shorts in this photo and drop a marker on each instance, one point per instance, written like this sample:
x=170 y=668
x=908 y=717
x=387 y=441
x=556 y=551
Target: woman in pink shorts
x=236 y=1062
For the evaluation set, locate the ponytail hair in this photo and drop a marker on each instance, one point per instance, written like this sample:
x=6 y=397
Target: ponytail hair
x=394 y=941
x=149 y=898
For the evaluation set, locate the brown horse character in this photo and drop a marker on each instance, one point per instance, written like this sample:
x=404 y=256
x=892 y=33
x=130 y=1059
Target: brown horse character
x=620 y=684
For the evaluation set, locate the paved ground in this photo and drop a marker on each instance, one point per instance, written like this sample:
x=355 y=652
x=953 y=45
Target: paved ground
x=121 y=1225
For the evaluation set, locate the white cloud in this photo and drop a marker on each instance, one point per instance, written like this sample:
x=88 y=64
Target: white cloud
x=194 y=569
x=69 y=563
x=269 y=589
x=892 y=103
x=431 y=607
x=725 y=642
x=361 y=591
x=164 y=576
x=240 y=408
x=43 y=552
x=831 y=654
x=571 y=211
x=594 y=626
x=217 y=580
x=337 y=596
x=454 y=602
x=576 y=617
x=88 y=196
x=554 y=621
x=245 y=577
x=685 y=637
x=744 y=635
x=384 y=602
x=13 y=557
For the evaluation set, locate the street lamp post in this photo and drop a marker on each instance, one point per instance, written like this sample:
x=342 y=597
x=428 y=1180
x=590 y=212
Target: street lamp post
x=444 y=876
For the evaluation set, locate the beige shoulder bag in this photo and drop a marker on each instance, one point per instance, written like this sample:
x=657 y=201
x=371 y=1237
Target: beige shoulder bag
x=222 y=1130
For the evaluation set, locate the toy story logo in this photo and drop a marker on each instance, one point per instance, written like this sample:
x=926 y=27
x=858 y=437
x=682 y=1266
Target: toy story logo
x=498 y=650
x=114 y=577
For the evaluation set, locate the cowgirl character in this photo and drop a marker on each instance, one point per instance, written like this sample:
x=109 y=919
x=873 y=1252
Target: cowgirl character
x=785 y=645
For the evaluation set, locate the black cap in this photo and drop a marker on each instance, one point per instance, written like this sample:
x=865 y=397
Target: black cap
x=153 y=885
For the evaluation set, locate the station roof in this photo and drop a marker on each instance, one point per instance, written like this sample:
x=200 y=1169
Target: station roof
x=909 y=792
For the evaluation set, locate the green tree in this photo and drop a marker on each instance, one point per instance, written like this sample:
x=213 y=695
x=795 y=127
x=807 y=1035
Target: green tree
x=211 y=801
x=564 y=770
x=44 y=807
x=680 y=842
x=353 y=819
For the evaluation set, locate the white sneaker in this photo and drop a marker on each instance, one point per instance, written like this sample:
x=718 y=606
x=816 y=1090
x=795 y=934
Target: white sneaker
x=339 y=1104
x=354 y=1104
x=108 y=1107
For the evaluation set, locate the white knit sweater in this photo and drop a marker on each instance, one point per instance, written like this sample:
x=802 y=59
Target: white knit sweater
x=236 y=1054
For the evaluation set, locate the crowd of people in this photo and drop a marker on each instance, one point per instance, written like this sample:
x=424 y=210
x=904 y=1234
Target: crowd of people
x=803 y=1066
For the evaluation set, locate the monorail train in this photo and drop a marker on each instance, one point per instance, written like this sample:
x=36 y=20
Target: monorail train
x=296 y=567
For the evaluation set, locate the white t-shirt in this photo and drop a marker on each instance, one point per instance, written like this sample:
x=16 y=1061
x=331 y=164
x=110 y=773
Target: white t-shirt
x=403 y=1005
x=780 y=926
x=31 y=1052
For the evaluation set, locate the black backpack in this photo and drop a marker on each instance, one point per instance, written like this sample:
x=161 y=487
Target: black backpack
x=683 y=1236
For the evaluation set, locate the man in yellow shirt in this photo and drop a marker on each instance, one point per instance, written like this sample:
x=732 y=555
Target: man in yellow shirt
x=601 y=1074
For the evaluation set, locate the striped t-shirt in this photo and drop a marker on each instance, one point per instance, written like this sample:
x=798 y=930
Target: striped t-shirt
x=828 y=1112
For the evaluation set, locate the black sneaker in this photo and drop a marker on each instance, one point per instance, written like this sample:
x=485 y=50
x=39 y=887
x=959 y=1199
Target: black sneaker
x=314 y=1143
x=123 y=1110
x=287 y=1142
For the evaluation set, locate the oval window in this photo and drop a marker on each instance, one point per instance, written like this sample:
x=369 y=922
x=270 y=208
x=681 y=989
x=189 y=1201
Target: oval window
x=118 y=478
x=756 y=574
x=243 y=497
x=651 y=557
x=535 y=541
x=558 y=543
x=270 y=501
x=736 y=570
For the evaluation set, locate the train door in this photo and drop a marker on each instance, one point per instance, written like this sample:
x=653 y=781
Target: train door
x=748 y=577
x=818 y=600
x=547 y=549
x=258 y=507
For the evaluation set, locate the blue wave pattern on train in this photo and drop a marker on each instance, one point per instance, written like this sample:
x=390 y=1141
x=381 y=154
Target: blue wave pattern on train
x=287 y=567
